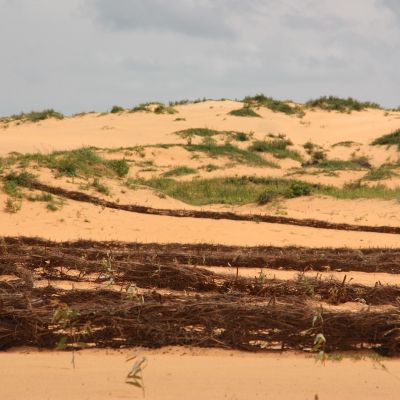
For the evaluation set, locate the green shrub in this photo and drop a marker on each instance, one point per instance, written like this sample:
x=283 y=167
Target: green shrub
x=266 y=197
x=13 y=205
x=20 y=179
x=163 y=109
x=333 y=103
x=246 y=111
x=141 y=107
x=120 y=167
x=117 y=109
x=241 y=137
x=261 y=100
x=298 y=189
x=277 y=147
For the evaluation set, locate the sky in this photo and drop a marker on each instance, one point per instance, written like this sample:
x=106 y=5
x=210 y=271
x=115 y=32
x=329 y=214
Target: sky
x=83 y=55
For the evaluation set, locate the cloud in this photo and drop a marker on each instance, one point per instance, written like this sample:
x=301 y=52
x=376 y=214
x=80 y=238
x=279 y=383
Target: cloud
x=88 y=54
x=205 y=18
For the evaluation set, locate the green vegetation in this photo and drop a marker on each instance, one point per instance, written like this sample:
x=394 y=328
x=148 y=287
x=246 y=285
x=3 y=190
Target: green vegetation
x=243 y=190
x=40 y=197
x=232 y=152
x=163 y=109
x=84 y=162
x=200 y=132
x=179 y=171
x=156 y=107
x=208 y=134
x=53 y=204
x=383 y=172
x=241 y=137
x=13 y=205
x=187 y=101
x=338 y=165
x=246 y=111
x=13 y=182
x=100 y=187
x=120 y=167
x=357 y=190
x=260 y=100
x=34 y=116
x=389 y=139
x=333 y=103
x=346 y=143
x=210 y=167
x=225 y=190
x=277 y=147
x=117 y=109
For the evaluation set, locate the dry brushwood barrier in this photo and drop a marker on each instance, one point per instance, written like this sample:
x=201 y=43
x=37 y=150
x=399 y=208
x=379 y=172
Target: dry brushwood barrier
x=132 y=294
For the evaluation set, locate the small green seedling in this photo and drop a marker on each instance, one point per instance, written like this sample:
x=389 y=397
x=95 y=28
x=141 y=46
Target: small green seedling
x=135 y=375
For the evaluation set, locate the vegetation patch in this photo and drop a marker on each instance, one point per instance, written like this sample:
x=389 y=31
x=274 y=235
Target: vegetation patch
x=241 y=137
x=332 y=103
x=339 y=165
x=245 y=111
x=200 y=132
x=84 y=162
x=154 y=107
x=277 y=147
x=244 y=190
x=260 y=100
x=234 y=190
x=33 y=116
x=100 y=187
x=383 y=172
x=389 y=139
x=232 y=152
x=180 y=171
x=117 y=109
x=346 y=143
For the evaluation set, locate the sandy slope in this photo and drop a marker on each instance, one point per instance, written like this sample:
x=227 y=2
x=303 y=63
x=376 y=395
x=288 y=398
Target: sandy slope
x=146 y=128
x=180 y=373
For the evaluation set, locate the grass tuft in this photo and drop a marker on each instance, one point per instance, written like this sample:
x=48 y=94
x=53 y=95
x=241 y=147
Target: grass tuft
x=389 y=139
x=383 y=172
x=232 y=152
x=180 y=171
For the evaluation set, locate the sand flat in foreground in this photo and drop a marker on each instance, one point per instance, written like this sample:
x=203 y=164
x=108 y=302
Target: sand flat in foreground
x=181 y=373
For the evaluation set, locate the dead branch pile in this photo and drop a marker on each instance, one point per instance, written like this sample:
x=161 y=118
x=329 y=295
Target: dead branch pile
x=34 y=252
x=233 y=322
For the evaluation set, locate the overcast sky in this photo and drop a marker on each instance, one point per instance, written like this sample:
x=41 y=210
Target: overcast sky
x=76 y=55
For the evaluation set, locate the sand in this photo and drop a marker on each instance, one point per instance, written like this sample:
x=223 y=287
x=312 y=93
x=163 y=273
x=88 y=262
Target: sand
x=130 y=129
x=87 y=221
x=181 y=373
